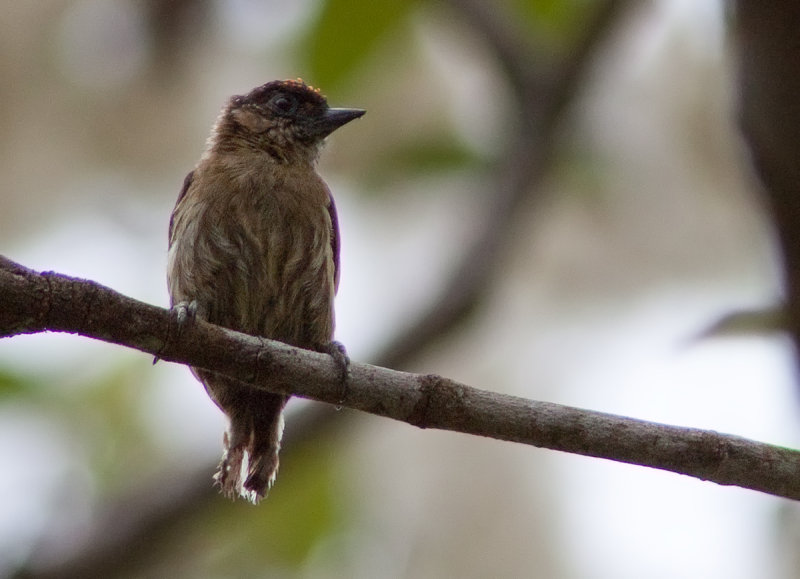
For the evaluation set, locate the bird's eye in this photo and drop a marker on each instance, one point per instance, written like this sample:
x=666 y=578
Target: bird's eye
x=283 y=104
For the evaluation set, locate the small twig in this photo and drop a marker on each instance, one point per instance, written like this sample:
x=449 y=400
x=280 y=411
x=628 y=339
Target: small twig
x=34 y=302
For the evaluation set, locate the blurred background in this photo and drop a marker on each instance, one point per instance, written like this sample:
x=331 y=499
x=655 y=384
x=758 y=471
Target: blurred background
x=548 y=198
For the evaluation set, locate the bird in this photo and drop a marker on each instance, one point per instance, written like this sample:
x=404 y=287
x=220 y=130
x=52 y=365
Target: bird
x=254 y=247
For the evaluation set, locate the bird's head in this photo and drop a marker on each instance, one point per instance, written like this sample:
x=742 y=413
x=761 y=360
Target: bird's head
x=287 y=119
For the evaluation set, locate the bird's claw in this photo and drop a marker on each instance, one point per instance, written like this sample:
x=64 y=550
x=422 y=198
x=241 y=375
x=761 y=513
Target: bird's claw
x=338 y=352
x=185 y=312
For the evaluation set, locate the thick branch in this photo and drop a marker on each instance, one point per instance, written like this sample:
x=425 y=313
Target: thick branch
x=37 y=302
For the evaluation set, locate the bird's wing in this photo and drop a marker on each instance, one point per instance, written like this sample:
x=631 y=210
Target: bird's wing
x=334 y=240
x=186 y=184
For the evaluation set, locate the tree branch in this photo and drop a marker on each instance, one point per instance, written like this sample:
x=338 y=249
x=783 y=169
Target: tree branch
x=543 y=85
x=37 y=302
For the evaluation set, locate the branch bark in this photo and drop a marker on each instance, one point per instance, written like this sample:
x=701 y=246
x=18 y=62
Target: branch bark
x=37 y=302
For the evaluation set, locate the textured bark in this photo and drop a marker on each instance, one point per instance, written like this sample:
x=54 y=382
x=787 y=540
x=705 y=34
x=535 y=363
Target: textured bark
x=37 y=302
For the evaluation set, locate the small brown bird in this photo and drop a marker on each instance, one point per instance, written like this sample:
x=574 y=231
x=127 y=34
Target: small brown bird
x=254 y=246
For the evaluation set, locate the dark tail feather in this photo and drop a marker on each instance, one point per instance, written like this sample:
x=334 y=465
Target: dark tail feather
x=250 y=462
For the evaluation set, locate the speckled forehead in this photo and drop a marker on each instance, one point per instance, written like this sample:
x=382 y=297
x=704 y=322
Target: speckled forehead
x=304 y=93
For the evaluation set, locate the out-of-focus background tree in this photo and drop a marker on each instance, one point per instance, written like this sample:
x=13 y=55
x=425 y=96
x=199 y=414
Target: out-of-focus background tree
x=547 y=197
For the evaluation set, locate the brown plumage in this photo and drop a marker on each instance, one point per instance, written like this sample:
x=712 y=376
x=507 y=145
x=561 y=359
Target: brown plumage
x=254 y=246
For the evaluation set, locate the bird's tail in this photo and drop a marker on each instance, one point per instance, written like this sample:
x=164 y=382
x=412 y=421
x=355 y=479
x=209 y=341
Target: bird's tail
x=250 y=462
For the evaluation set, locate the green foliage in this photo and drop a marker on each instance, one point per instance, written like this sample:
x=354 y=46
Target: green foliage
x=302 y=512
x=347 y=32
x=558 y=20
x=101 y=409
x=424 y=157
x=284 y=529
x=437 y=155
x=16 y=385
x=748 y=323
x=109 y=415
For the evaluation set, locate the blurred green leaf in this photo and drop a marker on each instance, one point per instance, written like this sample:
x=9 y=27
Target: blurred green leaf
x=111 y=405
x=347 y=32
x=283 y=530
x=559 y=19
x=429 y=156
x=302 y=510
x=745 y=323
x=13 y=385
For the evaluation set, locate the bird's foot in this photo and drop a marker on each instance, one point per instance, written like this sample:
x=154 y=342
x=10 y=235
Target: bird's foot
x=337 y=351
x=185 y=314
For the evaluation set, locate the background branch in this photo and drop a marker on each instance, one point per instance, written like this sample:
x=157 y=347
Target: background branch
x=35 y=302
x=769 y=85
x=543 y=89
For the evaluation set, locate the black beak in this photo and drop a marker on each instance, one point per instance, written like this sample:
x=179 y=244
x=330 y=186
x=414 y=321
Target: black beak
x=335 y=118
